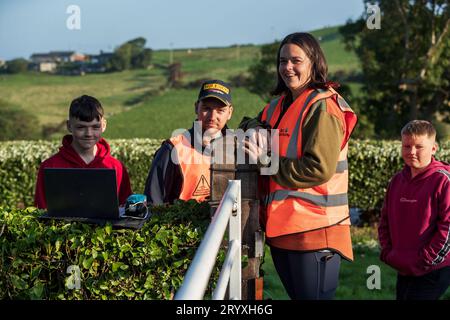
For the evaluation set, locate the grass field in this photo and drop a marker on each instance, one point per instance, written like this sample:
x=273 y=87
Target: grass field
x=353 y=275
x=158 y=117
x=352 y=279
x=132 y=103
x=218 y=63
x=49 y=96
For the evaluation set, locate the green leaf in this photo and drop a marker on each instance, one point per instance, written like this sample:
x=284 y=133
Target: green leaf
x=136 y=262
x=116 y=266
x=35 y=272
x=149 y=282
x=37 y=291
x=17 y=263
x=105 y=255
x=191 y=234
x=101 y=239
x=18 y=282
x=57 y=245
x=108 y=229
x=87 y=262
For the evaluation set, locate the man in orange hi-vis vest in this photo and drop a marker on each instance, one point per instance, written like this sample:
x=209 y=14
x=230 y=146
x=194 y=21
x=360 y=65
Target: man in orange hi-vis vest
x=180 y=168
x=305 y=204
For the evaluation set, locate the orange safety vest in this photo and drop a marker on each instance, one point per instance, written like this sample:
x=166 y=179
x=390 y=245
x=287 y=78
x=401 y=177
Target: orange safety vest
x=194 y=168
x=298 y=210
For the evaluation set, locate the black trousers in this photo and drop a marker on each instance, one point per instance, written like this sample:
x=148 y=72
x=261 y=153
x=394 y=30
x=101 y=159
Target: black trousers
x=430 y=286
x=307 y=275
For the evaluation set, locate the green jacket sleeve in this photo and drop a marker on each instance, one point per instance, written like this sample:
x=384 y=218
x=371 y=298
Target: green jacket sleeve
x=250 y=123
x=322 y=138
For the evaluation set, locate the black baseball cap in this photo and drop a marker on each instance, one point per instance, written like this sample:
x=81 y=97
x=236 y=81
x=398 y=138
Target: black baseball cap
x=216 y=89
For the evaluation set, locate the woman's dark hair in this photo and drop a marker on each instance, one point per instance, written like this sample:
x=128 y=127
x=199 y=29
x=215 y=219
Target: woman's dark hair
x=86 y=108
x=319 y=68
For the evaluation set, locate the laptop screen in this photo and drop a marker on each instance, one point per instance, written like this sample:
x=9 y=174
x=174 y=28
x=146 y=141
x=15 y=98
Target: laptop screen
x=86 y=193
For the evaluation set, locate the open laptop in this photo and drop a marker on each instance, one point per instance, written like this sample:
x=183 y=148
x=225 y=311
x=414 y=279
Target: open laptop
x=85 y=195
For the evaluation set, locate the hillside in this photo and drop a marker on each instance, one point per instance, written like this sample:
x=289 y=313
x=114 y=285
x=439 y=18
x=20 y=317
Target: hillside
x=137 y=103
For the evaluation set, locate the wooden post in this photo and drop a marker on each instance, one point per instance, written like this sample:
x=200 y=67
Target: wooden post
x=224 y=168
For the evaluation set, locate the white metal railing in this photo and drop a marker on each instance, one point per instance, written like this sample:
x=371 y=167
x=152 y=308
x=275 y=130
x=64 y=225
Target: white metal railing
x=197 y=277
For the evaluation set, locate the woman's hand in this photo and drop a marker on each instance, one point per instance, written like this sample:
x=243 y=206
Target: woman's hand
x=256 y=145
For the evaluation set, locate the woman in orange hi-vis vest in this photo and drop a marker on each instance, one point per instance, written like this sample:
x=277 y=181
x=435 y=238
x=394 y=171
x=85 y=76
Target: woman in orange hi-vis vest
x=305 y=204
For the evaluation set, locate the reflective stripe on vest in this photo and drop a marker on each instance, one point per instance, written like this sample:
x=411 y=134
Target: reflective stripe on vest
x=292 y=147
x=273 y=104
x=300 y=210
x=194 y=168
x=320 y=200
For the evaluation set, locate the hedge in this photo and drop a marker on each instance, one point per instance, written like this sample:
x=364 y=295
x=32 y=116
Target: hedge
x=113 y=263
x=371 y=165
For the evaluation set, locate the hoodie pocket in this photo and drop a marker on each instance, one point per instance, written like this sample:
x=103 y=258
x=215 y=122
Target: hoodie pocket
x=405 y=261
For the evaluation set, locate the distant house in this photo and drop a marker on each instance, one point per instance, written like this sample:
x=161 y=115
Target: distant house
x=41 y=57
x=98 y=61
x=46 y=66
x=43 y=62
x=68 y=56
x=2 y=63
x=101 y=58
x=58 y=56
x=48 y=62
x=70 y=62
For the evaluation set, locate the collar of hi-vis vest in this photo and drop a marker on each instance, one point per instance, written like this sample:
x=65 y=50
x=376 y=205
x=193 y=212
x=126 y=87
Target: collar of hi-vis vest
x=309 y=96
x=305 y=102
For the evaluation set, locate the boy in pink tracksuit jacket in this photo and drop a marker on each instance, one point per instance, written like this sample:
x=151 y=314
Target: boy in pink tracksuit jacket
x=415 y=219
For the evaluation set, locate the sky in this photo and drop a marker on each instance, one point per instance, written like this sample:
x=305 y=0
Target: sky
x=38 y=26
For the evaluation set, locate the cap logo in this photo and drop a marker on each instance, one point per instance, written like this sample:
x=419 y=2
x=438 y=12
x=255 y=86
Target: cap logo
x=216 y=86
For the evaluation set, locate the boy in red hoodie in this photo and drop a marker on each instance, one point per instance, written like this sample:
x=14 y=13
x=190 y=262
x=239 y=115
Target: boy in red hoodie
x=415 y=219
x=84 y=148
